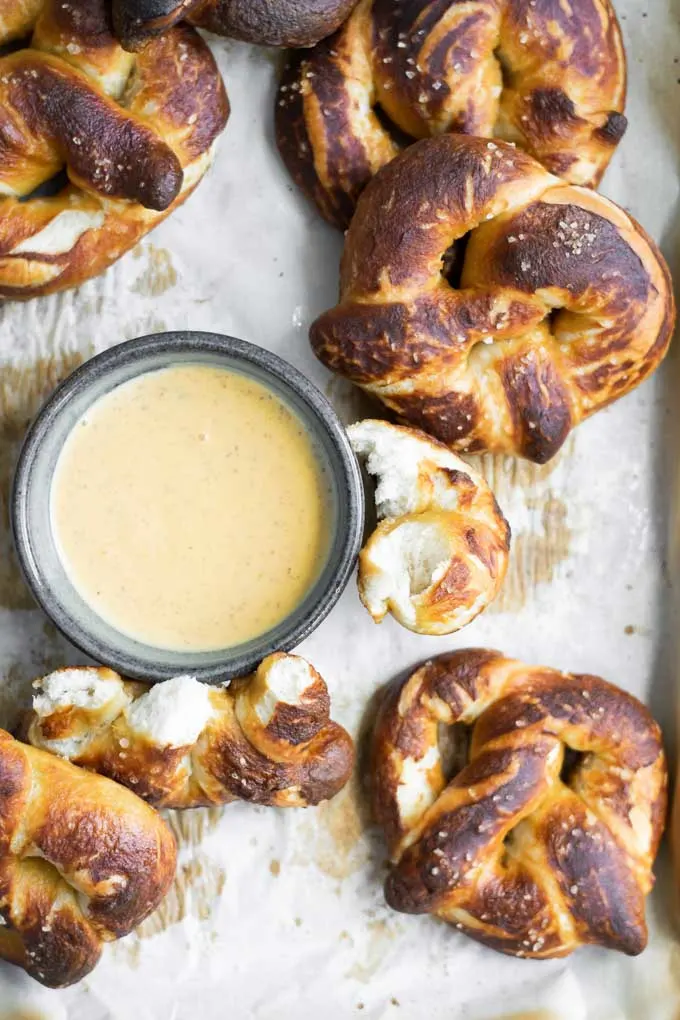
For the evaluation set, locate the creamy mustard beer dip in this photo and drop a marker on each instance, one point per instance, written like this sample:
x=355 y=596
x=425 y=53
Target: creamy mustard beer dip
x=189 y=508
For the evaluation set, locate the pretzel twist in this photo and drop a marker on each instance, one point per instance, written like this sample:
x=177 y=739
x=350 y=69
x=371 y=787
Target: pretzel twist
x=82 y=862
x=546 y=839
x=265 y=22
x=267 y=739
x=550 y=77
x=135 y=135
x=490 y=304
x=440 y=552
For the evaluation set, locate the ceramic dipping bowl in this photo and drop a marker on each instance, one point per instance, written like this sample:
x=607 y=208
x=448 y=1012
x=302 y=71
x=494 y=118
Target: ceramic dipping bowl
x=31 y=516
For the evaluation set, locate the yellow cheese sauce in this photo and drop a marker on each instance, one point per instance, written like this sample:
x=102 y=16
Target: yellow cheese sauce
x=189 y=508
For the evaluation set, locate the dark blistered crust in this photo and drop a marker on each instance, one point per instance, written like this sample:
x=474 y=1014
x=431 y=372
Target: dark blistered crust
x=89 y=23
x=107 y=151
x=181 y=69
x=106 y=861
x=564 y=830
x=562 y=304
x=547 y=76
x=135 y=22
x=348 y=169
x=315 y=774
x=299 y=757
x=289 y=23
x=297 y=724
x=133 y=151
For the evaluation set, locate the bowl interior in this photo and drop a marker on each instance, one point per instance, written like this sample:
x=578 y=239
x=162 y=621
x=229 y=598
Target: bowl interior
x=38 y=552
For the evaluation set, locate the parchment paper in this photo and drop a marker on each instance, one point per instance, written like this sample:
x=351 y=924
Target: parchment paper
x=277 y=914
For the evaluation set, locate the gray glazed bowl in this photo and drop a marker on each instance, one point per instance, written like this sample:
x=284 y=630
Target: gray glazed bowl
x=30 y=506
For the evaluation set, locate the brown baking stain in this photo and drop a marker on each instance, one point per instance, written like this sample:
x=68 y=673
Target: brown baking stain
x=22 y=1014
x=535 y=1014
x=194 y=893
x=143 y=325
x=23 y=390
x=333 y=836
x=275 y=868
x=191 y=827
x=159 y=276
x=535 y=554
x=382 y=934
x=536 y=557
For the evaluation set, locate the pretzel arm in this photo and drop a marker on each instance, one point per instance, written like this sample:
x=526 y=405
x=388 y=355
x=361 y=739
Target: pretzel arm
x=82 y=861
x=267 y=739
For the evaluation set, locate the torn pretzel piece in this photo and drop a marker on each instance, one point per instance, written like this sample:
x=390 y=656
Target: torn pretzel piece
x=440 y=552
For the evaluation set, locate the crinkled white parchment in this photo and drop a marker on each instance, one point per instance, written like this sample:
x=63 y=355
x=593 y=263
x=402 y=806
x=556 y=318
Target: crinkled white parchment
x=278 y=914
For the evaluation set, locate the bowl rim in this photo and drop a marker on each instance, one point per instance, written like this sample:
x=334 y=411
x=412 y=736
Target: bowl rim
x=187 y=341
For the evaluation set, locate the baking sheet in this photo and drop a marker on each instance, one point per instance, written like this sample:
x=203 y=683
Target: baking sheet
x=280 y=913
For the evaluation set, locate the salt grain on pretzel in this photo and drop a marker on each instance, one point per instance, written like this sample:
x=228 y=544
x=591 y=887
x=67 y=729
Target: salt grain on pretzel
x=82 y=862
x=549 y=76
x=545 y=840
x=489 y=303
x=267 y=739
x=135 y=135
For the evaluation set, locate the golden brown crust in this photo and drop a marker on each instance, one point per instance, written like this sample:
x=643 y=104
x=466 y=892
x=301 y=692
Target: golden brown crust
x=546 y=839
x=255 y=746
x=264 y=22
x=18 y=18
x=82 y=862
x=550 y=77
x=134 y=133
x=490 y=304
x=439 y=554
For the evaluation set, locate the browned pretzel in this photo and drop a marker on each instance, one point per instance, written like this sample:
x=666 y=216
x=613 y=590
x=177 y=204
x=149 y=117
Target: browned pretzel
x=545 y=840
x=82 y=862
x=439 y=554
x=490 y=304
x=548 y=75
x=266 y=22
x=135 y=135
x=267 y=739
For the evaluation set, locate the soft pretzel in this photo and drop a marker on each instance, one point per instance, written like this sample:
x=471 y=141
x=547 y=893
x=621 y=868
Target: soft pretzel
x=440 y=552
x=545 y=840
x=135 y=135
x=490 y=304
x=549 y=76
x=265 y=22
x=267 y=739
x=82 y=862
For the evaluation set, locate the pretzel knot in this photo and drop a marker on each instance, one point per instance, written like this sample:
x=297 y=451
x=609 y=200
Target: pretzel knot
x=490 y=304
x=82 y=862
x=267 y=739
x=549 y=76
x=266 y=22
x=546 y=839
x=134 y=134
